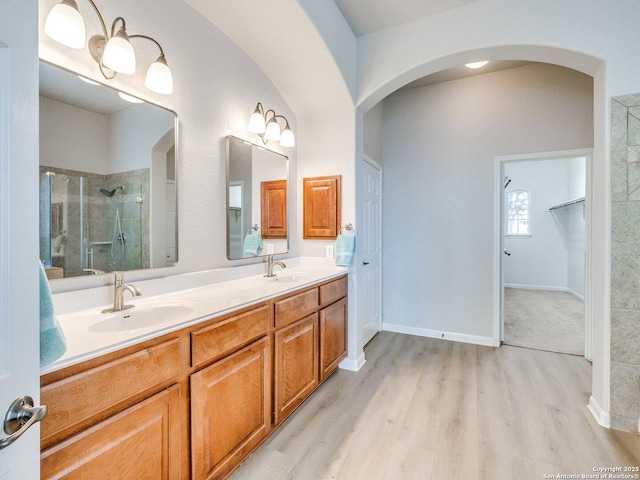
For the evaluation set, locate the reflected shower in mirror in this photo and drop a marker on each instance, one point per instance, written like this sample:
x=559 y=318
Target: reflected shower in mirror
x=257 y=210
x=107 y=179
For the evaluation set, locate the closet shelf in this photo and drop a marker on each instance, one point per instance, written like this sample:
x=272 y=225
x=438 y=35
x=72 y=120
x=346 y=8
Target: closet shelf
x=566 y=204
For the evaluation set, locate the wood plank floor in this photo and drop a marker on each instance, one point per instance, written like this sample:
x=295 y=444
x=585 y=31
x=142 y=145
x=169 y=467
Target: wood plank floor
x=432 y=409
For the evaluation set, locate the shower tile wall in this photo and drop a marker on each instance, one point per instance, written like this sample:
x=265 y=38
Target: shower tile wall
x=134 y=220
x=625 y=262
x=99 y=218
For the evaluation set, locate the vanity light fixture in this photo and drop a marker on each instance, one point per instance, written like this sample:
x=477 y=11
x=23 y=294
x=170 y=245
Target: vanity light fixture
x=476 y=64
x=265 y=125
x=113 y=53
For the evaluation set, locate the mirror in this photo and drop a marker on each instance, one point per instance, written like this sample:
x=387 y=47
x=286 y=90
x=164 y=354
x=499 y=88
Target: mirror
x=257 y=212
x=107 y=179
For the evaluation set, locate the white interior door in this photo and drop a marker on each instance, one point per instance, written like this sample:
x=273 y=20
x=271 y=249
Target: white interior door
x=19 y=325
x=369 y=244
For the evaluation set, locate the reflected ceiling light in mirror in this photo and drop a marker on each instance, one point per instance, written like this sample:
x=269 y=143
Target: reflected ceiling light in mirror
x=130 y=98
x=87 y=80
x=266 y=126
x=476 y=64
x=113 y=52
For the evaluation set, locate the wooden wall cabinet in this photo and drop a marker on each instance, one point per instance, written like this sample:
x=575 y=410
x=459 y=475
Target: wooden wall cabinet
x=273 y=208
x=321 y=212
x=196 y=402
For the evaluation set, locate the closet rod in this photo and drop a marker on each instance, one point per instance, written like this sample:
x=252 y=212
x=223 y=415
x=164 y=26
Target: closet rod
x=566 y=204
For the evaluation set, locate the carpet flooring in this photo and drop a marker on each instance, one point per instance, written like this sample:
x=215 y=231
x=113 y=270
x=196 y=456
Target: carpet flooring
x=544 y=320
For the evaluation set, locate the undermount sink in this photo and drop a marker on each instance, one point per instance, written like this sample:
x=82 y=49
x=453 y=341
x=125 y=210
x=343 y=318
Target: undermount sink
x=289 y=277
x=136 y=317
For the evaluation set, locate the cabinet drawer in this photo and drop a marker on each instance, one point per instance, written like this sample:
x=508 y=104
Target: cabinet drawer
x=73 y=401
x=217 y=340
x=142 y=442
x=333 y=291
x=295 y=307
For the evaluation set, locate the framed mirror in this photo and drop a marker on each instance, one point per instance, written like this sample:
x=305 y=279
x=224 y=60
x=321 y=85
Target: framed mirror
x=257 y=207
x=107 y=179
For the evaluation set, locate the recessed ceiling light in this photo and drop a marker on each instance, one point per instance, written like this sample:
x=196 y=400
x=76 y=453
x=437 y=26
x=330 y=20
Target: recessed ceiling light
x=476 y=64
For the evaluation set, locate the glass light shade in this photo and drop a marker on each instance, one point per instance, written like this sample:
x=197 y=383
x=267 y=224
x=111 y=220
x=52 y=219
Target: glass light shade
x=159 y=78
x=65 y=25
x=273 y=130
x=256 y=122
x=476 y=64
x=286 y=138
x=119 y=55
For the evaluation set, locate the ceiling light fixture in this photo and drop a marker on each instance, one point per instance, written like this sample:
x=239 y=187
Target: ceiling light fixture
x=114 y=52
x=476 y=64
x=265 y=125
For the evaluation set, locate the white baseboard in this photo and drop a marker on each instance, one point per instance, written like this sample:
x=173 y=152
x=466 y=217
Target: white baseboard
x=535 y=287
x=425 y=332
x=602 y=417
x=574 y=294
x=550 y=289
x=351 y=364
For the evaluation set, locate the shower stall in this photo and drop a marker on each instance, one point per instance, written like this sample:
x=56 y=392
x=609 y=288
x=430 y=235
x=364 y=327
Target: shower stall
x=93 y=223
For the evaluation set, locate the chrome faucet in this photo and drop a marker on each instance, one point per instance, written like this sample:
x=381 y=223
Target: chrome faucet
x=270 y=264
x=119 y=287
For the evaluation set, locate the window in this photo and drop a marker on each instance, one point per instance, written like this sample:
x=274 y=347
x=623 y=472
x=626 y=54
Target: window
x=518 y=213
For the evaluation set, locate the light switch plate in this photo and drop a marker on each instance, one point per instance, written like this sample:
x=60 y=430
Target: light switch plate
x=269 y=248
x=329 y=251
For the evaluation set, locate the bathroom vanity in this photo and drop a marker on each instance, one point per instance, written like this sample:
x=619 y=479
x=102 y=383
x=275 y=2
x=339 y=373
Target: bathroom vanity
x=196 y=401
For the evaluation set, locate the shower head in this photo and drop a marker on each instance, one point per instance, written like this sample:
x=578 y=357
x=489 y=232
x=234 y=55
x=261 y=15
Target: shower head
x=111 y=193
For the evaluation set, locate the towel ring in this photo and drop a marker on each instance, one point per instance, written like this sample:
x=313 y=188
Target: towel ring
x=252 y=229
x=349 y=228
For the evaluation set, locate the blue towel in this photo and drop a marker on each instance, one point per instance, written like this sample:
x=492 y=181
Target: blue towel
x=252 y=245
x=345 y=248
x=52 y=341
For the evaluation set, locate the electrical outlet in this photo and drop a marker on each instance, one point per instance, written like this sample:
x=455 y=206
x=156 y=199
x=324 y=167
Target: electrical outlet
x=329 y=251
x=269 y=248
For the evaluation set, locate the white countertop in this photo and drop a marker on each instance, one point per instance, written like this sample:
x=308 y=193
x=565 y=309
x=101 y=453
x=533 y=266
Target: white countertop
x=201 y=303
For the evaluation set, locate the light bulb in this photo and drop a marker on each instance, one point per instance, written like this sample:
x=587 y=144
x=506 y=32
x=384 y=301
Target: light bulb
x=286 y=138
x=65 y=25
x=256 y=121
x=273 y=130
x=159 y=78
x=119 y=55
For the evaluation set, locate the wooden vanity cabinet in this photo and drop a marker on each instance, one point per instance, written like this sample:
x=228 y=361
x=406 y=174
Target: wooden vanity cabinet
x=333 y=337
x=310 y=341
x=230 y=410
x=141 y=442
x=295 y=365
x=196 y=402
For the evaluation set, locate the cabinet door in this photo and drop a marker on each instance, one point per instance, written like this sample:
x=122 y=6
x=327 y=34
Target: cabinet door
x=230 y=405
x=296 y=365
x=273 y=208
x=321 y=212
x=142 y=442
x=333 y=337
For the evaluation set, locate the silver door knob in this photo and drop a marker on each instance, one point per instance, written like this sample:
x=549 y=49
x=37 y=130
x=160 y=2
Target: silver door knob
x=20 y=416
